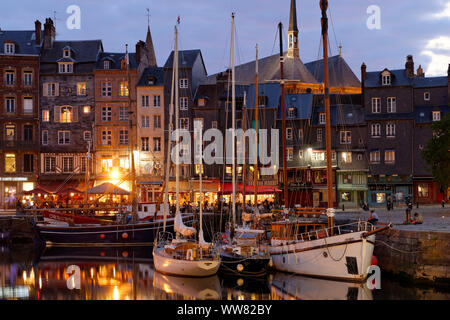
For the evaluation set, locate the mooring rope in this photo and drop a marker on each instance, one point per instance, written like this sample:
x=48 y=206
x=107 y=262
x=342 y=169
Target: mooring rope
x=329 y=253
x=399 y=250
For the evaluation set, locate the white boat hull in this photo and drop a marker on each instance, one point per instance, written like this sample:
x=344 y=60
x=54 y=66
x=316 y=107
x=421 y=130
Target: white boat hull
x=344 y=257
x=166 y=264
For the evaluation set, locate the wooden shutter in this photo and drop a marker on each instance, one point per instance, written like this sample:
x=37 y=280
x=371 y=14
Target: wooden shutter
x=57 y=89
x=57 y=114
x=75 y=114
x=45 y=89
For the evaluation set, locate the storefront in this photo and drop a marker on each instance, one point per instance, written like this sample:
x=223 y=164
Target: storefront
x=427 y=191
x=398 y=188
x=149 y=191
x=11 y=188
x=265 y=192
x=352 y=188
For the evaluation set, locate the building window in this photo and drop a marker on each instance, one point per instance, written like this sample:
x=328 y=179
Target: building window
x=391 y=105
x=157 y=101
x=10 y=105
x=10 y=131
x=83 y=167
x=360 y=157
x=49 y=164
x=156 y=144
x=66 y=53
x=300 y=135
x=214 y=124
x=45 y=115
x=426 y=96
x=347 y=157
x=422 y=190
x=183 y=83
x=123 y=89
x=65 y=67
x=63 y=137
x=81 y=88
x=10 y=77
x=292 y=112
x=28 y=105
x=376 y=130
x=346 y=137
x=10 y=48
x=201 y=102
x=67 y=164
x=289 y=135
x=390 y=129
x=10 y=162
x=290 y=154
x=319 y=135
x=86 y=109
x=144 y=144
x=28 y=163
x=123 y=137
x=123 y=114
x=28 y=133
x=322 y=118
x=45 y=137
x=157 y=122
x=52 y=89
x=183 y=103
x=145 y=122
x=124 y=163
x=28 y=78
x=376 y=105
x=386 y=80
x=436 y=116
x=106 y=89
x=106 y=137
x=389 y=156
x=184 y=123
x=106 y=113
x=300 y=154
x=145 y=101
x=87 y=135
x=375 y=156
x=106 y=165
x=106 y=64
x=66 y=115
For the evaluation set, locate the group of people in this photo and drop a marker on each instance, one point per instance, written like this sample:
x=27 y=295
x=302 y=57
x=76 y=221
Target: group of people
x=417 y=219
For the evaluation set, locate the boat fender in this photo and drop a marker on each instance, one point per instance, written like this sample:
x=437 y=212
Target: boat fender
x=102 y=236
x=240 y=267
x=374 y=261
x=125 y=235
x=190 y=254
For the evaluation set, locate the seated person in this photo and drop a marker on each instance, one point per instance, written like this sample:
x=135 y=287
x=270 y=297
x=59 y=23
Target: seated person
x=373 y=218
x=417 y=219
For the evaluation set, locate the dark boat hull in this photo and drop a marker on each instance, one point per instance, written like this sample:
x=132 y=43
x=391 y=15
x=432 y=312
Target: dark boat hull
x=255 y=266
x=142 y=233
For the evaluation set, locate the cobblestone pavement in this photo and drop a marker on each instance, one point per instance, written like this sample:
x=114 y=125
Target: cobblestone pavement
x=435 y=218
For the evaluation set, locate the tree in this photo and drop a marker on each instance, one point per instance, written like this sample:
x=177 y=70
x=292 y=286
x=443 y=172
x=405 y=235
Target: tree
x=437 y=152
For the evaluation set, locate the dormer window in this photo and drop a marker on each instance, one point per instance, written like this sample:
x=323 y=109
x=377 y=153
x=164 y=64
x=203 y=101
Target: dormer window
x=106 y=64
x=386 y=80
x=150 y=80
x=10 y=48
x=201 y=102
x=65 y=67
x=66 y=53
x=426 y=96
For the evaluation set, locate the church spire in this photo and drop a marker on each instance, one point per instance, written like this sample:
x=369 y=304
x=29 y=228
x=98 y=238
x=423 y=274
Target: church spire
x=149 y=45
x=293 y=51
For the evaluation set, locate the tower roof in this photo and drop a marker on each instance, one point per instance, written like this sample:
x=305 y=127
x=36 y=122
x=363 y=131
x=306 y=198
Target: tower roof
x=293 y=17
x=150 y=49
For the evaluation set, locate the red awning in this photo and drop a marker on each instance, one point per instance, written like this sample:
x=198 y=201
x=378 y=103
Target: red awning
x=227 y=188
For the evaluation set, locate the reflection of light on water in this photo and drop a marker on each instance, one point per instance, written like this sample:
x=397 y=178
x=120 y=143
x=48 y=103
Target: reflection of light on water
x=92 y=273
x=241 y=297
x=114 y=272
x=116 y=295
x=167 y=288
x=73 y=282
x=40 y=282
x=24 y=275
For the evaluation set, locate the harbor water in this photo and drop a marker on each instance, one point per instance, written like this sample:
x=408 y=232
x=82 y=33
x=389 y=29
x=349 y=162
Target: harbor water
x=31 y=272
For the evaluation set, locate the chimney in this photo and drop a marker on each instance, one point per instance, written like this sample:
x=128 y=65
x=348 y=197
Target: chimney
x=363 y=81
x=49 y=33
x=420 y=72
x=139 y=50
x=409 y=66
x=448 y=72
x=37 y=31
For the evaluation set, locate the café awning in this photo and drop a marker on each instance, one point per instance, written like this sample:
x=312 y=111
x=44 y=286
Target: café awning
x=227 y=188
x=108 y=188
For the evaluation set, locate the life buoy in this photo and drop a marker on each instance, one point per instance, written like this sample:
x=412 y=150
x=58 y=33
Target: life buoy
x=189 y=254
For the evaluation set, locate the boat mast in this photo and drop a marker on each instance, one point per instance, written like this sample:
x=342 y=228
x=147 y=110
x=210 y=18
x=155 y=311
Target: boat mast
x=330 y=210
x=88 y=157
x=283 y=123
x=255 y=174
x=244 y=166
x=177 y=124
x=233 y=126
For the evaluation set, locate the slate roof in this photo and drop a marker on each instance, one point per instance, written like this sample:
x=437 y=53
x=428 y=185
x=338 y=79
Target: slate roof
x=301 y=102
x=116 y=59
x=156 y=73
x=25 y=41
x=420 y=82
x=341 y=115
x=83 y=51
x=270 y=90
x=399 y=78
x=340 y=74
x=424 y=114
x=186 y=58
x=209 y=93
x=269 y=69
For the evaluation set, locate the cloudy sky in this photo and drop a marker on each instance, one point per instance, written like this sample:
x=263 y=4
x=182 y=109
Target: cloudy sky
x=417 y=27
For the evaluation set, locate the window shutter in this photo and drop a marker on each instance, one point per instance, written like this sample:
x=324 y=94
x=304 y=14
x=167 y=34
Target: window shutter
x=45 y=89
x=75 y=114
x=57 y=89
x=57 y=114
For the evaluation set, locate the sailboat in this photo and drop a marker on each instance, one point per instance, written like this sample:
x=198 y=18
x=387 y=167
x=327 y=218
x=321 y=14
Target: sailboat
x=183 y=256
x=310 y=246
x=242 y=255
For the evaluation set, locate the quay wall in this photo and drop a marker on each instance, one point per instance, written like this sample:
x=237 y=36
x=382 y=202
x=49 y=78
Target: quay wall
x=16 y=229
x=419 y=256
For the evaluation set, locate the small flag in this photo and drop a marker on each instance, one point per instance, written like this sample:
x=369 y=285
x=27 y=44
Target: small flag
x=178 y=20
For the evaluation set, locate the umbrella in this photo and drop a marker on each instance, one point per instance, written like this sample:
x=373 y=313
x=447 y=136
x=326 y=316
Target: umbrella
x=108 y=187
x=69 y=190
x=37 y=191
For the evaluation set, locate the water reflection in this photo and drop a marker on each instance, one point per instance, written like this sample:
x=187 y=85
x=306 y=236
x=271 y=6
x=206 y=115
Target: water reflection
x=127 y=273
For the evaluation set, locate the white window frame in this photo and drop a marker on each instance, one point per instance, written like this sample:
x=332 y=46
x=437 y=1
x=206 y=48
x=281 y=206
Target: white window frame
x=375 y=130
x=427 y=96
x=376 y=105
x=145 y=144
x=184 y=83
x=45 y=115
x=391 y=105
x=184 y=103
x=386 y=80
x=106 y=114
x=390 y=130
x=389 y=156
x=66 y=137
x=322 y=118
x=10 y=48
x=145 y=122
x=106 y=64
x=157 y=101
x=87 y=135
x=65 y=67
x=10 y=104
x=157 y=144
x=375 y=156
x=44 y=137
x=289 y=134
x=319 y=134
x=123 y=113
x=29 y=110
x=157 y=123
x=10 y=77
x=436 y=116
x=106 y=89
x=290 y=154
x=345 y=137
x=106 y=137
x=145 y=101
x=28 y=78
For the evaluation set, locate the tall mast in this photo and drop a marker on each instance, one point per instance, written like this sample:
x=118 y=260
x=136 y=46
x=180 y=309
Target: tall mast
x=88 y=157
x=233 y=120
x=244 y=166
x=177 y=124
x=283 y=123
x=330 y=211
x=255 y=173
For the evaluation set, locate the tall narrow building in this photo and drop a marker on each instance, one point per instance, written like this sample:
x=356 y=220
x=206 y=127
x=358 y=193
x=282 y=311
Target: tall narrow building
x=293 y=51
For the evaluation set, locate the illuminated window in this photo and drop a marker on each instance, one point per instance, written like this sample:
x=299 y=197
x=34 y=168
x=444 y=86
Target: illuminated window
x=157 y=144
x=197 y=169
x=290 y=154
x=347 y=157
x=10 y=163
x=124 y=163
x=389 y=156
x=346 y=137
x=375 y=156
x=106 y=165
x=87 y=109
x=422 y=190
x=66 y=115
x=123 y=89
x=81 y=88
x=45 y=115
